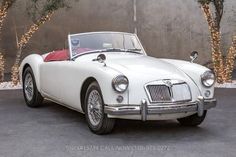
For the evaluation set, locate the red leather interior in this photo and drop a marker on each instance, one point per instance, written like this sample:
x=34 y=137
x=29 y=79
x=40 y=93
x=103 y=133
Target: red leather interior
x=60 y=55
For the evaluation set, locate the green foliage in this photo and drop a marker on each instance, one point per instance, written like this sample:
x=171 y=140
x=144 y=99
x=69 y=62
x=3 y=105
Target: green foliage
x=39 y=8
x=210 y=1
x=10 y=3
x=205 y=1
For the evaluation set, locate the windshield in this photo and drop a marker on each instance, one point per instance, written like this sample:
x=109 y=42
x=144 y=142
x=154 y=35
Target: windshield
x=103 y=42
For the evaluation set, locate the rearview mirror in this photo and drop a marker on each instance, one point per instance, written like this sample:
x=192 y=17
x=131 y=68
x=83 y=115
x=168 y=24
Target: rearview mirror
x=193 y=56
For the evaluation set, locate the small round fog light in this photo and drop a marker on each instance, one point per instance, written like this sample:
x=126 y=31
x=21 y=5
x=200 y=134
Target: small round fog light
x=119 y=99
x=207 y=93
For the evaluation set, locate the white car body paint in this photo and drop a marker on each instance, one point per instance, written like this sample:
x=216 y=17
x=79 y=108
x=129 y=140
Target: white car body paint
x=61 y=81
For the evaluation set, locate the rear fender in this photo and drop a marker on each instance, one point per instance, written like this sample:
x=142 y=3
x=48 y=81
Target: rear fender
x=34 y=61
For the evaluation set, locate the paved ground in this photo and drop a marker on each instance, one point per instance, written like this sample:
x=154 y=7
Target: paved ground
x=55 y=131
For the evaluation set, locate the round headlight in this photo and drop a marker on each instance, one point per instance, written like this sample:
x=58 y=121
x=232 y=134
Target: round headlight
x=208 y=79
x=120 y=83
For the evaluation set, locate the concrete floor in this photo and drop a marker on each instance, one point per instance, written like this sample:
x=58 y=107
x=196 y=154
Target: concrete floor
x=55 y=131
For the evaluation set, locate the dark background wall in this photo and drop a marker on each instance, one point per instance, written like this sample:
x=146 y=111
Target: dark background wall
x=167 y=28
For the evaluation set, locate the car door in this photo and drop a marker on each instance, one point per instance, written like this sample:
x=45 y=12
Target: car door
x=51 y=79
x=62 y=81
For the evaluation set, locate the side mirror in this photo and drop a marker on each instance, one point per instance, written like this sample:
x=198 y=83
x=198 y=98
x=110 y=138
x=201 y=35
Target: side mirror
x=101 y=59
x=193 y=56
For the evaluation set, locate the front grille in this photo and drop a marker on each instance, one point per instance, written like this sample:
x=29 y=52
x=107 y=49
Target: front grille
x=181 y=92
x=160 y=93
x=165 y=93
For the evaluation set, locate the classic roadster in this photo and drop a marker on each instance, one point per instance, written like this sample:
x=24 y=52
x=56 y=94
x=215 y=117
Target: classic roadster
x=108 y=75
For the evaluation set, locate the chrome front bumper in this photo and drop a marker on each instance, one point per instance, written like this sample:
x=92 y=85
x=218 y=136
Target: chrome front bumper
x=199 y=106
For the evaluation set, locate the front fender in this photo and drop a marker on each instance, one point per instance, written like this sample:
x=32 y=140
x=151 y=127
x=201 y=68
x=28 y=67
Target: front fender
x=194 y=72
x=34 y=61
x=104 y=76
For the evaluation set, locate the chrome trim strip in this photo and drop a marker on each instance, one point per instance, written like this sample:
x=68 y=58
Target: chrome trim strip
x=157 y=109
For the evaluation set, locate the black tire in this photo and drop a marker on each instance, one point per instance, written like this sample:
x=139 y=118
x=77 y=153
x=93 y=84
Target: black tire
x=193 y=120
x=37 y=99
x=106 y=124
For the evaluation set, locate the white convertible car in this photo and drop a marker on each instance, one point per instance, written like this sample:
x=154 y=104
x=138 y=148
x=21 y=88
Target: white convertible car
x=108 y=75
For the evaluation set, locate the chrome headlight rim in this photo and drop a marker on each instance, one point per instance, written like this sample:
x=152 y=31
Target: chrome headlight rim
x=206 y=77
x=119 y=80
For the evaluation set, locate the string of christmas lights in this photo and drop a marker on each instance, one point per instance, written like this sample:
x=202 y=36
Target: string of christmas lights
x=2 y=64
x=223 y=69
x=217 y=56
x=3 y=14
x=22 y=43
x=230 y=59
x=15 y=74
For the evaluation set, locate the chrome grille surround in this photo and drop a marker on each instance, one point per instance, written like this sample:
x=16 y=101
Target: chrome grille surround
x=168 y=91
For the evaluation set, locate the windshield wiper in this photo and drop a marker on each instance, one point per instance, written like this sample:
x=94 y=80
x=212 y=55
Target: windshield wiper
x=87 y=52
x=135 y=50
x=101 y=50
x=113 y=50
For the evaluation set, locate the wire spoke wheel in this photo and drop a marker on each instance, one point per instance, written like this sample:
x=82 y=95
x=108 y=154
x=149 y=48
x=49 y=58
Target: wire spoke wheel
x=29 y=87
x=98 y=121
x=95 y=107
x=32 y=96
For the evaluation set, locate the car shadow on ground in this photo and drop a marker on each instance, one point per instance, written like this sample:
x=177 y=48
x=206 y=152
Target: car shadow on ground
x=133 y=130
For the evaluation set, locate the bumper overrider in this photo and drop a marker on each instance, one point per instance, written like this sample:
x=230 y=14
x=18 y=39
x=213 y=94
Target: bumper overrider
x=144 y=109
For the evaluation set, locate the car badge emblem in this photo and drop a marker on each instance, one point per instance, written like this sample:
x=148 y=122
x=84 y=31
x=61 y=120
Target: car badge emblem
x=168 y=83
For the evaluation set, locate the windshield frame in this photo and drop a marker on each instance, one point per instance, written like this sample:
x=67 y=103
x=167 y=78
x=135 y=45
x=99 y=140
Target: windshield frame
x=98 y=51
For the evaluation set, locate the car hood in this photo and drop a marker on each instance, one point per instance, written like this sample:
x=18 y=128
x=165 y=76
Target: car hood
x=140 y=70
x=145 y=67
